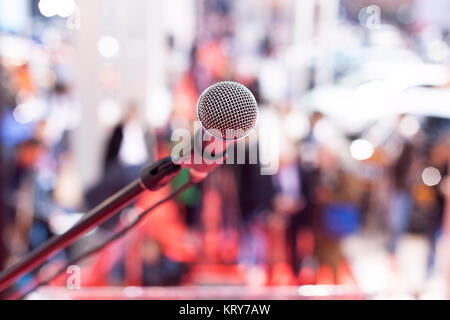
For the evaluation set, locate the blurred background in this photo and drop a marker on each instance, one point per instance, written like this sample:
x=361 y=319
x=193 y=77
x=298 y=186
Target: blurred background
x=357 y=92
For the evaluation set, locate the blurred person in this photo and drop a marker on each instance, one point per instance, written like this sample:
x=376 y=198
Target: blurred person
x=306 y=263
x=156 y=268
x=126 y=151
x=424 y=225
x=25 y=231
x=273 y=75
x=337 y=215
x=401 y=201
x=254 y=190
x=255 y=193
x=220 y=218
x=127 y=136
x=212 y=56
x=287 y=205
x=34 y=182
x=376 y=207
x=408 y=154
x=64 y=115
x=439 y=159
x=402 y=151
x=6 y=101
x=218 y=19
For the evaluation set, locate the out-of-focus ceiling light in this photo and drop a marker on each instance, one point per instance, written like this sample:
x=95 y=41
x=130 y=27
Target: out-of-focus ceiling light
x=29 y=111
x=438 y=51
x=431 y=176
x=23 y=114
x=409 y=126
x=361 y=149
x=47 y=8
x=62 y=8
x=108 y=46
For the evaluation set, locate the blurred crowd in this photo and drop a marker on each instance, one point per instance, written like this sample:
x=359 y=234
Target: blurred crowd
x=386 y=180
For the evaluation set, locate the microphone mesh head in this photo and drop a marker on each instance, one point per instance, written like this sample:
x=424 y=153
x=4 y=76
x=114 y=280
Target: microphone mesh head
x=227 y=110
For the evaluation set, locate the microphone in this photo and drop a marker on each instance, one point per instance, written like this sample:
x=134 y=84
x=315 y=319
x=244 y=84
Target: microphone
x=227 y=112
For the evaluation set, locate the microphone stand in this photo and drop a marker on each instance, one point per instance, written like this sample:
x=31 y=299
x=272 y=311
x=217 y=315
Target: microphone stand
x=152 y=178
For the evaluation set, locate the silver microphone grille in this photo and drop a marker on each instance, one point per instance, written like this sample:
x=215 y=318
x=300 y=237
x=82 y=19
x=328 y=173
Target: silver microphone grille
x=227 y=110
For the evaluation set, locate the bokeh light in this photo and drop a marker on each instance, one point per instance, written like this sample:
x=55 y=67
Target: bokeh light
x=62 y=8
x=108 y=46
x=361 y=149
x=431 y=176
